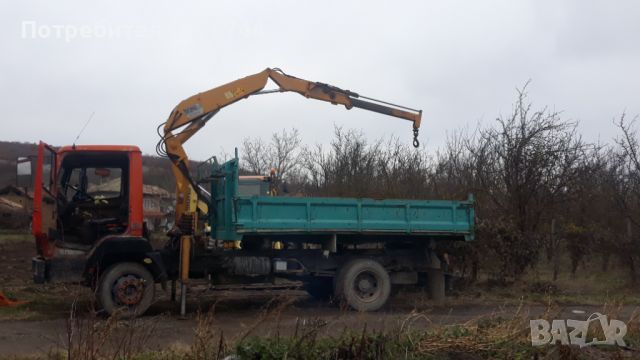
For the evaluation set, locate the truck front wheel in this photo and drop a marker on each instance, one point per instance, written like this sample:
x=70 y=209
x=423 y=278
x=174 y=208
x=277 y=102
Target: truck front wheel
x=126 y=289
x=364 y=284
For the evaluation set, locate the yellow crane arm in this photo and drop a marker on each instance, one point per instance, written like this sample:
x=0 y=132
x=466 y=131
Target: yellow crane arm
x=192 y=114
x=211 y=101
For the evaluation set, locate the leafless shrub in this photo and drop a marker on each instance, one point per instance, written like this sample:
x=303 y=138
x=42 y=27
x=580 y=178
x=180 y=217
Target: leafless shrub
x=624 y=171
x=525 y=167
x=535 y=181
x=88 y=337
x=204 y=344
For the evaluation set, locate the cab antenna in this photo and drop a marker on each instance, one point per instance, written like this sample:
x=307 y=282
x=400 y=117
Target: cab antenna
x=84 y=127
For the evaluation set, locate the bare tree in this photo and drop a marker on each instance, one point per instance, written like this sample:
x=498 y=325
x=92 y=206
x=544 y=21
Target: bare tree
x=526 y=167
x=625 y=170
x=626 y=166
x=254 y=155
x=283 y=154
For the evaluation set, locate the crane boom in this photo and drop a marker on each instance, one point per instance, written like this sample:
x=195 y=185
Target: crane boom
x=192 y=114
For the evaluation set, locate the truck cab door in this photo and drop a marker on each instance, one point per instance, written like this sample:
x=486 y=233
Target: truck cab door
x=44 y=199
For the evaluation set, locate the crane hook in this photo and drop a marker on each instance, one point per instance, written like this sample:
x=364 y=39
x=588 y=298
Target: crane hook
x=416 y=143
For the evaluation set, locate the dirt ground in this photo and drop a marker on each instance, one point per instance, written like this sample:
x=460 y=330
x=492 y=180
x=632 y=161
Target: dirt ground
x=41 y=325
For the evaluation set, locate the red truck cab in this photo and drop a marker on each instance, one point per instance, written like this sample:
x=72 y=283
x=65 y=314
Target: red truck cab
x=70 y=211
x=88 y=218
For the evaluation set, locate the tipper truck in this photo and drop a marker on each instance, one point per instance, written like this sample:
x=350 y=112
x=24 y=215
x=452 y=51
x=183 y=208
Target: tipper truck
x=231 y=230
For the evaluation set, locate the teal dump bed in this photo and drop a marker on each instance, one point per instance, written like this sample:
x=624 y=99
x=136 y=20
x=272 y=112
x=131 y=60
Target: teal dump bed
x=234 y=215
x=260 y=213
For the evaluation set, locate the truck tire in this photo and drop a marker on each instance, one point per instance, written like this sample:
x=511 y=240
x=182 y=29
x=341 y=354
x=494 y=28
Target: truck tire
x=320 y=287
x=364 y=284
x=435 y=284
x=126 y=289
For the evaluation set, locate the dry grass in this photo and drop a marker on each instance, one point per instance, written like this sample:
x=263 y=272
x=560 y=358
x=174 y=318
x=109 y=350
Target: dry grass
x=15 y=236
x=508 y=337
x=486 y=334
x=44 y=301
x=498 y=335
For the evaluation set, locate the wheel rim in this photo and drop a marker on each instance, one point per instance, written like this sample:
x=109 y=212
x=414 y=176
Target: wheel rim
x=128 y=290
x=366 y=286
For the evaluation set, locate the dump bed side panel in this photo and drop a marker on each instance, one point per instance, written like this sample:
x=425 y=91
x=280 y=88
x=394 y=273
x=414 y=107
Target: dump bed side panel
x=335 y=215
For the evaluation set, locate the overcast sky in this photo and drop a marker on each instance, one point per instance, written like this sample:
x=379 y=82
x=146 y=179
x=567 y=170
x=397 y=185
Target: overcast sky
x=131 y=62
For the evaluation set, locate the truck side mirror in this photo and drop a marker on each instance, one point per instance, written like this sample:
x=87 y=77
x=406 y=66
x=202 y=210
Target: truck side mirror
x=23 y=172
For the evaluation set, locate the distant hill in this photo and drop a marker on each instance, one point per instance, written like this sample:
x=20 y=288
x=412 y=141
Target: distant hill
x=156 y=170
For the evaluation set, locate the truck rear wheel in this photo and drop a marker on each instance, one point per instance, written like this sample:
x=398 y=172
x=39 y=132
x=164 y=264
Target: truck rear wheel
x=364 y=284
x=320 y=287
x=126 y=289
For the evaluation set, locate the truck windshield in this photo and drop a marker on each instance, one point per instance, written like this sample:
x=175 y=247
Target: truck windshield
x=96 y=182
